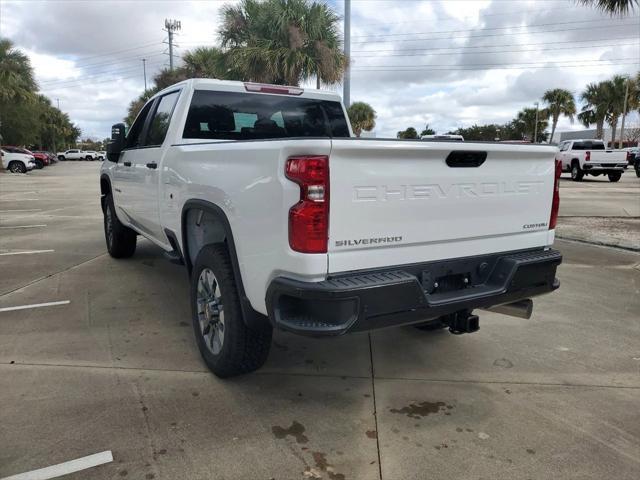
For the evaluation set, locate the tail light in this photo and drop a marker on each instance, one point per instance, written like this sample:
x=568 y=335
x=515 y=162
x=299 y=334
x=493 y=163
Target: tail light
x=309 y=218
x=264 y=88
x=555 y=204
x=587 y=156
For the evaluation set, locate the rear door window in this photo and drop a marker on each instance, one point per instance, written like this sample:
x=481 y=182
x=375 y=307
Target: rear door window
x=248 y=116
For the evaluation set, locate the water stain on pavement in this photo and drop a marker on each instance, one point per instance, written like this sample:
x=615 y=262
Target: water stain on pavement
x=422 y=409
x=296 y=430
x=372 y=434
x=320 y=459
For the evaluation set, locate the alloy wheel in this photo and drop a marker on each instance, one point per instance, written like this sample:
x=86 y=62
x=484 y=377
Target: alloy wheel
x=210 y=311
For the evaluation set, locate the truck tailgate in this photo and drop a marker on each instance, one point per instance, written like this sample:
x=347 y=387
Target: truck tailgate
x=399 y=202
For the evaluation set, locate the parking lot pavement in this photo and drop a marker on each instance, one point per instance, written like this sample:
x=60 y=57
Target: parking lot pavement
x=117 y=369
x=598 y=197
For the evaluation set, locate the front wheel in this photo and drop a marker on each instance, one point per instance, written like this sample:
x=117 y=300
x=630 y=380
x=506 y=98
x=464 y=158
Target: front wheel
x=17 y=167
x=39 y=164
x=614 y=176
x=576 y=172
x=121 y=240
x=227 y=345
x=61 y=157
x=637 y=168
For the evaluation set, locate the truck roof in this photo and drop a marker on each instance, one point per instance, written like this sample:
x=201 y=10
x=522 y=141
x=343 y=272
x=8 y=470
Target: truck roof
x=251 y=87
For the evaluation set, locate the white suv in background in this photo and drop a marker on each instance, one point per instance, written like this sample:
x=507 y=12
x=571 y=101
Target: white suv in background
x=17 y=162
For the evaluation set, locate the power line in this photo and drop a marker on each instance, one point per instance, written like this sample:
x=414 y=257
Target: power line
x=533 y=25
x=500 y=45
x=117 y=51
x=391 y=68
x=494 y=64
x=494 y=51
x=55 y=89
x=497 y=34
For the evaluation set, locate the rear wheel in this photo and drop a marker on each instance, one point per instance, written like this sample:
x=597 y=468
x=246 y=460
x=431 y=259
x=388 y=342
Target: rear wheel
x=121 y=240
x=17 y=167
x=226 y=344
x=614 y=176
x=637 y=168
x=576 y=172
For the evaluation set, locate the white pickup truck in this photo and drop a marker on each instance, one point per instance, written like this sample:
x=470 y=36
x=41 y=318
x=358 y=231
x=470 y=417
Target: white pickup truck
x=75 y=154
x=285 y=220
x=591 y=157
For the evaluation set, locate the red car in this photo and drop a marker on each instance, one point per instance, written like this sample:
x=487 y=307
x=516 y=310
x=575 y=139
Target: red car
x=41 y=159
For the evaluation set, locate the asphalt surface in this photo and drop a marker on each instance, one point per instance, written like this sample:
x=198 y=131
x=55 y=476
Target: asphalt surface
x=117 y=369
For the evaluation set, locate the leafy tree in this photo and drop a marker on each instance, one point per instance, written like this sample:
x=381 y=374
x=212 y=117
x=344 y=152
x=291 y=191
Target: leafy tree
x=615 y=90
x=525 y=122
x=362 y=117
x=408 y=133
x=559 y=102
x=483 y=133
x=427 y=131
x=17 y=82
x=283 y=41
x=612 y=7
x=595 y=108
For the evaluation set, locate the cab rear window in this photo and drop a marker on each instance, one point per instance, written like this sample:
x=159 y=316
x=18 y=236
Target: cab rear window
x=588 y=146
x=249 y=116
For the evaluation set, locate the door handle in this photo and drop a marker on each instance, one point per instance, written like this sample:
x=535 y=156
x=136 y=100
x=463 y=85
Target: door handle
x=153 y=165
x=127 y=164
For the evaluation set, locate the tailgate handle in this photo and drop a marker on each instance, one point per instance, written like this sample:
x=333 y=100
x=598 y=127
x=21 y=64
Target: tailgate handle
x=466 y=159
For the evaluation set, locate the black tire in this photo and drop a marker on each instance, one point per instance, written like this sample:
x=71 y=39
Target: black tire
x=17 y=167
x=88 y=157
x=61 y=157
x=637 y=168
x=242 y=350
x=430 y=326
x=577 y=174
x=121 y=240
x=614 y=176
x=39 y=164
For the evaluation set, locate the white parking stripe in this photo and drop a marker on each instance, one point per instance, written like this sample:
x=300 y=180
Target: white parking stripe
x=35 y=305
x=23 y=226
x=26 y=252
x=65 y=468
x=20 y=211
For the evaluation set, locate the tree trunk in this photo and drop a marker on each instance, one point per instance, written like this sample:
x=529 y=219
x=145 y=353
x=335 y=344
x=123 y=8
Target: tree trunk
x=599 y=129
x=318 y=82
x=553 y=128
x=614 y=127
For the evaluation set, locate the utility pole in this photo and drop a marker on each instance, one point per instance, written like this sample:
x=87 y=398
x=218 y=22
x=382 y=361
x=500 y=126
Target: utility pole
x=171 y=26
x=535 y=135
x=624 y=114
x=58 y=101
x=144 y=72
x=346 y=95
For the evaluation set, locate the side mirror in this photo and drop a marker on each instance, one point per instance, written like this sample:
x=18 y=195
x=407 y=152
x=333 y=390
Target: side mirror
x=116 y=145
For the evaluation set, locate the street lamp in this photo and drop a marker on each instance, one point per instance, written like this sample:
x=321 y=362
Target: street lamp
x=535 y=134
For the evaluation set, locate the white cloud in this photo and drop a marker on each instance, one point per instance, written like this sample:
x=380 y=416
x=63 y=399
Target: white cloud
x=416 y=62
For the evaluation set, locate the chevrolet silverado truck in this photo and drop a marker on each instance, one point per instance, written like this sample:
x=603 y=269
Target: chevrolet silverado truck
x=591 y=157
x=284 y=220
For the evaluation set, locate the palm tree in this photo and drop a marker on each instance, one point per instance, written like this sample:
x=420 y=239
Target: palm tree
x=409 y=133
x=525 y=121
x=559 y=102
x=362 y=117
x=595 y=108
x=283 y=41
x=207 y=62
x=614 y=93
x=612 y=7
x=427 y=131
x=16 y=75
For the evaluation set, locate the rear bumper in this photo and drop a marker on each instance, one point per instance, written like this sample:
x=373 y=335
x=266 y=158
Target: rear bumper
x=410 y=293
x=605 y=167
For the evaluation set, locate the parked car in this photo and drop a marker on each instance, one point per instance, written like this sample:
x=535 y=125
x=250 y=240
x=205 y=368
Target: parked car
x=283 y=220
x=591 y=157
x=632 y=153
x=38 y=159
x=90 y=155
x=17 y=162
x=42 y=159
x=101 y=155
x=73 y=154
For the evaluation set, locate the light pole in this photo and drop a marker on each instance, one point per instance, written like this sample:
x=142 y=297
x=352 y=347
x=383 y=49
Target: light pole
x=346 y=95
x=624 y=114
x=144 y=72
x=535 y=130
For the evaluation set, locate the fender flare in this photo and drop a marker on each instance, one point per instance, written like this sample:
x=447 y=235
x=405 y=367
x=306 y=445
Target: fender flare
x=251 y=317
x=105 y=177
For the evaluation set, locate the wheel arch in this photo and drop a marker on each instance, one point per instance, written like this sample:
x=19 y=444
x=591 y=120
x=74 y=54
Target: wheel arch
x=105 y=189
x=203 y=223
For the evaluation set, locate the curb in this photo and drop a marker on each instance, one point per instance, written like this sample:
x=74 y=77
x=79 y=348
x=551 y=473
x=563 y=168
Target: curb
x=599 y=244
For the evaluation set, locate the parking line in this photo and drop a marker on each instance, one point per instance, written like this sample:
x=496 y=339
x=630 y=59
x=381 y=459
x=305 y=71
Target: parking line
x=34 y=305
x=65 y=468
x=23 y=226
x=26 y=252
x=20 y=211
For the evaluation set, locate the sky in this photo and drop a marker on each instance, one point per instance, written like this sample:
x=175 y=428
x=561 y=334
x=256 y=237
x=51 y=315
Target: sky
x=448 y=64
